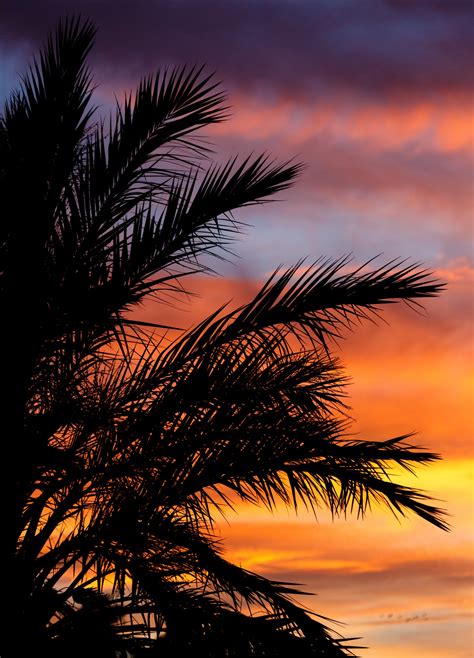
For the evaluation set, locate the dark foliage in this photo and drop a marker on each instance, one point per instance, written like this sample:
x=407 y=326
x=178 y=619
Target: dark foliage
x=120 y=443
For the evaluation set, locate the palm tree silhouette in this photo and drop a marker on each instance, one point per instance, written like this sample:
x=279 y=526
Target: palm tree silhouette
x=123 y=443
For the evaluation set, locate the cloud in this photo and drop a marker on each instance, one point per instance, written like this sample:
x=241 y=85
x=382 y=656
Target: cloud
x=442 y=126
x=362 y=157
x=375 y=101
x=299 y=48
x=390 y=583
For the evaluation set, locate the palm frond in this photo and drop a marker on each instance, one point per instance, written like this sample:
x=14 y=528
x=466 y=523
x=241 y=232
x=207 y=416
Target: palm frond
x=128 y=442
x=43 y=126
x=316 y=305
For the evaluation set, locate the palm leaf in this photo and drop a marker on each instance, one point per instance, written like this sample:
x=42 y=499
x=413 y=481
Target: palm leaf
x=128 y=441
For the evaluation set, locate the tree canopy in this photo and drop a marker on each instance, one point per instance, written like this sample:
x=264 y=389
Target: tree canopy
x=123 y=439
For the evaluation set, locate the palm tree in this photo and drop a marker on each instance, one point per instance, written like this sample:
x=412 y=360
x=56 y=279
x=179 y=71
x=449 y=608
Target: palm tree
x=122 y=440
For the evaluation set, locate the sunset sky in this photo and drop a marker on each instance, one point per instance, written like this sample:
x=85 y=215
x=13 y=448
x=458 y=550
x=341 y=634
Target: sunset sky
x=376 y=97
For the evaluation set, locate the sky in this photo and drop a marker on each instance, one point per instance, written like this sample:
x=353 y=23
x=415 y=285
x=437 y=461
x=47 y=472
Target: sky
x=376 y=97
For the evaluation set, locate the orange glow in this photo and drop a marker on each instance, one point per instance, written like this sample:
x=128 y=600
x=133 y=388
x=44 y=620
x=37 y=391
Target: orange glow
x=402 y=584
x=441 y=126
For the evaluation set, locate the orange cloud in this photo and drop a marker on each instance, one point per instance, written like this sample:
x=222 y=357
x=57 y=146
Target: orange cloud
x=387 y=158
x=416 y=374
x=412 y=374
x=440 y=125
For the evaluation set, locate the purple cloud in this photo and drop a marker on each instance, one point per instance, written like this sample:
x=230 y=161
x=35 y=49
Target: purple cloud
x=297 y=48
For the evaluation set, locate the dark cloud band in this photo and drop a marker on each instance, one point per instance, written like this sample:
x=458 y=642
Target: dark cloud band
x=283 y=47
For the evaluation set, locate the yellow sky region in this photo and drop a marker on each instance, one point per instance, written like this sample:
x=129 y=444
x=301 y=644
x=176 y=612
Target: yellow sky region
x=449 y=481
x=446 y=126
x=391 y=582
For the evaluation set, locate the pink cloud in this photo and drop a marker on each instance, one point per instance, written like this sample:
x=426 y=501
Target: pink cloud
x=443 y=125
